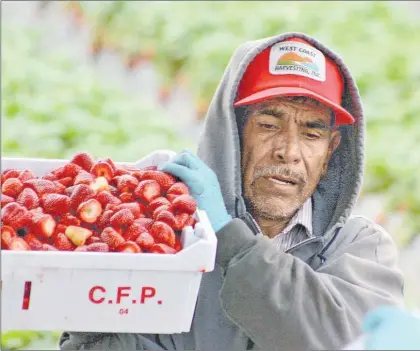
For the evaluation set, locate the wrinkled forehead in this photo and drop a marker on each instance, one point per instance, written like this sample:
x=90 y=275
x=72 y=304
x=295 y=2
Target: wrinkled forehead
x=306 y=106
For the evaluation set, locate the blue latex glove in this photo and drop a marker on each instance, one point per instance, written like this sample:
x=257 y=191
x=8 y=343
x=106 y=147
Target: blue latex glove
x=391 y=328
x=203 y=185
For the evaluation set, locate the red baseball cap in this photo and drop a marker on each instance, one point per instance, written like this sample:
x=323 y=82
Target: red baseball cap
x=294 y=67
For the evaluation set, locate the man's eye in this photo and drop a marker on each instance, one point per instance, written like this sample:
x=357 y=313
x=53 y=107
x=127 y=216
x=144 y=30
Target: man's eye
x=312 y=136
x=267 y=126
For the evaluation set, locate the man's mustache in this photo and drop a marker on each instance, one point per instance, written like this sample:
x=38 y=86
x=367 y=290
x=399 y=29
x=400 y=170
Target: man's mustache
x=280 y=171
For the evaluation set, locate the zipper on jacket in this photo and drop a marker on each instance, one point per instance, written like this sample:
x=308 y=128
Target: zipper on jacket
x=303 y=243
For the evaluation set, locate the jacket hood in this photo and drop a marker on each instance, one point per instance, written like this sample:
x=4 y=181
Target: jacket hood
x=219 y=146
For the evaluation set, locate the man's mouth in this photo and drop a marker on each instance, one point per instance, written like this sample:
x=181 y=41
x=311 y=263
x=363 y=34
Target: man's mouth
x=282 y=180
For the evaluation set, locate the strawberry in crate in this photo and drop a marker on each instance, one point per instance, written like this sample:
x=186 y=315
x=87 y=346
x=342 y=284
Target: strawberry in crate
x=90 y=205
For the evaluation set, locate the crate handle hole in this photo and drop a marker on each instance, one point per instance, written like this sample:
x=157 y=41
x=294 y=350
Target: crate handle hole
x=26 y=295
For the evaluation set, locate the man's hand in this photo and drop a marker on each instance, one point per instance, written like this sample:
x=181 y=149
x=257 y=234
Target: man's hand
x=390 y=328
x=203 y=185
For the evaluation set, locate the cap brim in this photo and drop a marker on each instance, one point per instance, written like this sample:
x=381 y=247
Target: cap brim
x=341 y=115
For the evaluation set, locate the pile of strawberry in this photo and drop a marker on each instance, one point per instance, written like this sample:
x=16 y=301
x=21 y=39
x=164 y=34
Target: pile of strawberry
x=94 y=206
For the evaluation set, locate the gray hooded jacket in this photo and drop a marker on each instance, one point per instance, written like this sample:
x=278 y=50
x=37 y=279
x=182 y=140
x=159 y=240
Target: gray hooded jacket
x=315 y=295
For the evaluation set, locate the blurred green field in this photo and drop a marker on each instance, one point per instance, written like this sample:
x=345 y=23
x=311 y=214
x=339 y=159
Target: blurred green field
x=53 y=107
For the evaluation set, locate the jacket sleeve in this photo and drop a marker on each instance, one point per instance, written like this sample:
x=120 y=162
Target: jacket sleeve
x=108 y=341
x=280 y=302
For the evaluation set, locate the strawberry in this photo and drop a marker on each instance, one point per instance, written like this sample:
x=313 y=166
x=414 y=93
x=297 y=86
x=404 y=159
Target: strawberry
x=160 y=209
x=78 y=235
x=184 y=203
x=104 y=220
x=81 y=193
x=148 y=190
x=63 y=243
x=114 y=191
x=157 y=203
x=127 y=197
x=18 y=244
x=162 y=233
x=162 y=249
x=83 y=177
x=111 y=163
x=105 y=197
x=98 y=247
x=37 y=210
x=121 y=218
x=67 y=181
x=59 y=229
x=128 y=246
x=171 y=197
x=102 y=169
x=11 y=173
x=145 y=222
x=127 y=183
x=56 y=204
x=82 y=248
x=111 y=237
x=68 y=170
x=141 y=174
x=165 y=180
x=89 y=210
x=71 y=170
x=59 y=188
x=100 y=184
x=166 y=217
x=41 y=186
x=50 y=176
x=190 y=221
x=26 y=175
x=120 y=172
x=15 y=215
x=178 y=188
x=48 y=247
x=182 y=220
x=92 y=240
x=68 y=219
x=145 y=241
x=6 y=200
x=69 y=190
x=111 y=207
x=12 y=187
x=42 y=225
x=142 y=210
x=34 y=243
x=28 y=198
x=83 y=160
x=134 y=207
x=178 y=244
x=133 y=231
x=7 y=234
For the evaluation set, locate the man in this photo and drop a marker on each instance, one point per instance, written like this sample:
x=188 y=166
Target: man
x=279 y=169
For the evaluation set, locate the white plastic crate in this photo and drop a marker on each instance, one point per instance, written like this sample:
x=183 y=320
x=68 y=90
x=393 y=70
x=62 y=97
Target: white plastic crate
x=105 y=292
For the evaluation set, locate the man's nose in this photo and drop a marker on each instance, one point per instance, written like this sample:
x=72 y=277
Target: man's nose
x=287 y=147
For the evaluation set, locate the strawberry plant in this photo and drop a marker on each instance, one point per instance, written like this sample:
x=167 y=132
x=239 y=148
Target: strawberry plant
x=54 y=107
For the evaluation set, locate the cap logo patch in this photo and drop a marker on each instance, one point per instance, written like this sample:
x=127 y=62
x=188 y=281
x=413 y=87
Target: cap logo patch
x=297 y=58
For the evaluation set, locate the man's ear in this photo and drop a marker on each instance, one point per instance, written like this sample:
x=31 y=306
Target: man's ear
x=334 y=142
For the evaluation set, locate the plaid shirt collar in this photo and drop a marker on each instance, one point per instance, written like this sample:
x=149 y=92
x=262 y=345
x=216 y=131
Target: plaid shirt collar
x=302 y=217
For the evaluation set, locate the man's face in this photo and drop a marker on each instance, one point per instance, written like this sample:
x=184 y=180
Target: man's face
x=286 y=149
